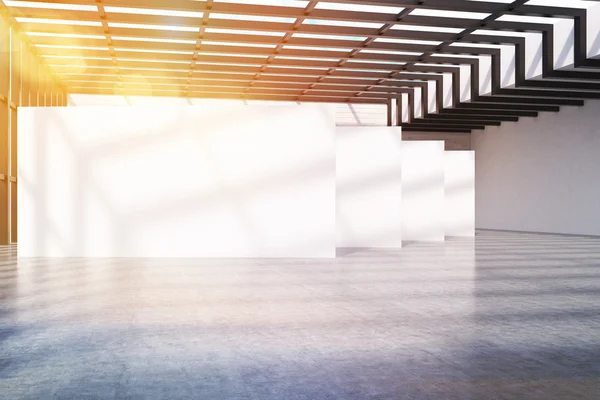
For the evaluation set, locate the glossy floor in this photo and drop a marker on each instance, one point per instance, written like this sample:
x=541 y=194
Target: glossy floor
x=504 y=316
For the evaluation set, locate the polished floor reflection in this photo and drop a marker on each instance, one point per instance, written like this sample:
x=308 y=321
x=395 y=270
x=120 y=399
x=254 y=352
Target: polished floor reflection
x=503 y=316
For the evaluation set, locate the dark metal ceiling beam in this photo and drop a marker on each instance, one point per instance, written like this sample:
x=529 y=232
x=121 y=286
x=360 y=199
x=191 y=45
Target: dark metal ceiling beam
x=362 y=74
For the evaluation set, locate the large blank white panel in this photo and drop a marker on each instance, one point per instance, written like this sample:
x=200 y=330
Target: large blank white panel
x=460 y=193
x=189 y=181
x=369 y=187
x=423 y=168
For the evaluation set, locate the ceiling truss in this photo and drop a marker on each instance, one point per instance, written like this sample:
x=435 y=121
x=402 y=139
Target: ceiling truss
x=402 y=53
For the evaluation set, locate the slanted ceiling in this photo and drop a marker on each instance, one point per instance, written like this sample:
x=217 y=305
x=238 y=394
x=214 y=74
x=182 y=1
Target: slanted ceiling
x=343 y=51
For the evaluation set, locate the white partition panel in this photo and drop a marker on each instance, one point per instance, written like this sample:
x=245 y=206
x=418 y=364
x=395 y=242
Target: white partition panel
x=369 y=187
x=188 y=181
x=423 y=191
x=460 y=193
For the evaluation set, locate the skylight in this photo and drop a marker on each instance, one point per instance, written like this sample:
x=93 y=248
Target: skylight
x=404 y=53
x=81 y=66
x=482 y=45
x=151 y=60
x=343 y=23
x=158 y=40
x=307 y=58
x=203 y=53
x=78 y=57
x=54 y=46
x=406 y=41
x=147 y=11
x=316 y=48
x=226 y=64
x=244 y=32
x=240 y=44
x=50 y=5
x=287 y=3
x=367 y=70
x=57 y=21
x=457 y=56
x=501 y=33
x=358 y=7
x=134 y=50
x=287 y=76
x=335 y=37
x=298 y=67
x=354 y=60
x=530 y=19
x=260 y=18
x=155 y=27
x=448 y=14
x=424 y=28
x=224 y=72
x=66 y=35
x=145 y=68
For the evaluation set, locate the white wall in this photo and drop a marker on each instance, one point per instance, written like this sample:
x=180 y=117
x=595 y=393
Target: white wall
x=453 y=141
x=224 y=181
x=541 y=174
x=360 y=114
x=423 y=191
x=459 y=193
x=369 y=187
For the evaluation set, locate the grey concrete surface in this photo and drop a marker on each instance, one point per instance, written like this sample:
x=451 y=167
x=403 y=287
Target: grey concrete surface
x=501 y=316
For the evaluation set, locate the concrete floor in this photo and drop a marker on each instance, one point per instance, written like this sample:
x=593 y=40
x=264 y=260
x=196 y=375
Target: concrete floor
x=504 y=316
